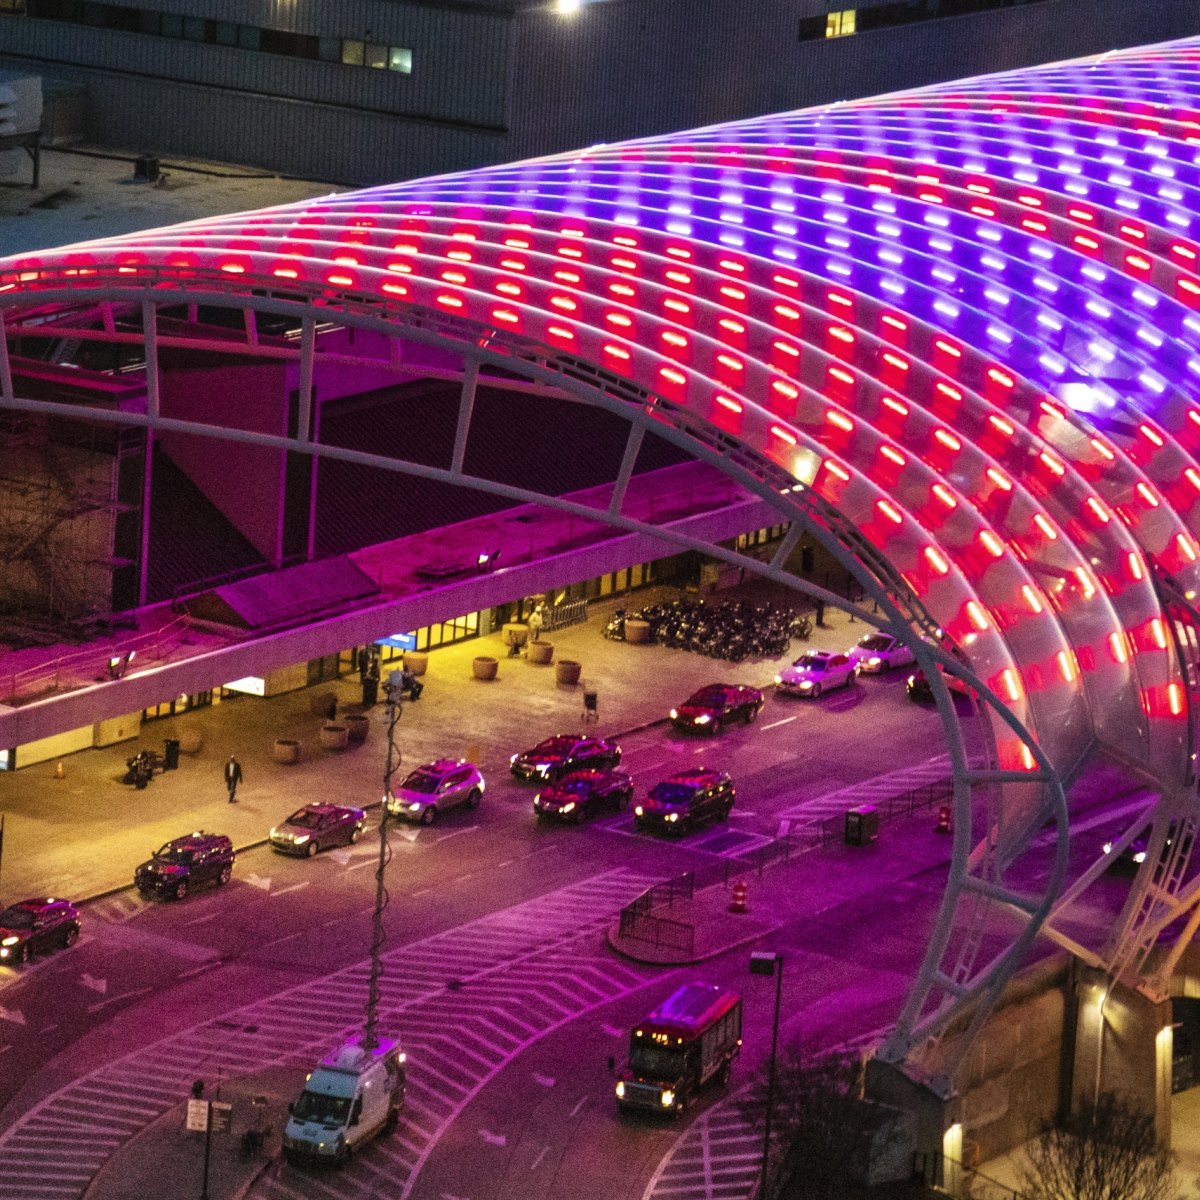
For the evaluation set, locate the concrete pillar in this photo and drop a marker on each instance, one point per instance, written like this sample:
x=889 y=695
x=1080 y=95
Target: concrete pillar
x=1122 y=1045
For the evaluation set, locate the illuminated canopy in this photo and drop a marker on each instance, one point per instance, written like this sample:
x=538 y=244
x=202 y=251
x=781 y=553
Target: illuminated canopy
x=955 y=330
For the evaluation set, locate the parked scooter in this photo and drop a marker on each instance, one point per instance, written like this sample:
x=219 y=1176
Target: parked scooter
x=142 y=767
x=403 y=683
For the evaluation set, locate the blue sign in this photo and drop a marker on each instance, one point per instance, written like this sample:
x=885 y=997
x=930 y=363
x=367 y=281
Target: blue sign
x=401 y=641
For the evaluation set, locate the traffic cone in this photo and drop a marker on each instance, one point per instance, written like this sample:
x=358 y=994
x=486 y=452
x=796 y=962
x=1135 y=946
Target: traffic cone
x=60 y=772
x=737 y=903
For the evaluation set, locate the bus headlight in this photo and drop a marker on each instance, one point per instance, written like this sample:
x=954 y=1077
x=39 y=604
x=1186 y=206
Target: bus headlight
x=620 y=1089
x=668 y=1098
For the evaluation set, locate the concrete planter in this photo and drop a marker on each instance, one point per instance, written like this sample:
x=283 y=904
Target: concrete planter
x=285 y=751
x=566 y=672
x=541 y=652
x=515 y=632
x=484 y=667
x=417 y=661
x=637 y=631
x=358 y=727
x=334 y=737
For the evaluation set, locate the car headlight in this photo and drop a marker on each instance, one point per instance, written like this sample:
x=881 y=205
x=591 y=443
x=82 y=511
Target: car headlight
x=1108 y=847
x=513 y=759
x=874 y=662
x=778 y=678
x=672 y=816
x=274 y=833
x=805 y=684
x=568 y=807
x=1140 y=856
x=620 y=1089
x=10 y=941
x=543 y=768
x=703 y=719
x=674 y=713
x=638 y=811
x=415 y=806
x=668 y=1098
x=299 y=839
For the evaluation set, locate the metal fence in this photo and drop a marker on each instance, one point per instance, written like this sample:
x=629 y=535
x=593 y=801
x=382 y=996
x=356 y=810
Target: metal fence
x=559 y=616
x=658 y=931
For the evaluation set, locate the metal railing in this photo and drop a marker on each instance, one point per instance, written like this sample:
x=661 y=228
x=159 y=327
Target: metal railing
x=571 y=612
x=664 y=932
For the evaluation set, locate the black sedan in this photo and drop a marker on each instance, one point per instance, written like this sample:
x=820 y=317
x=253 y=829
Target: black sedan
x=559 y=756
x=317 y=827
x=711 y=707
x=584 y=793
x=35 y=926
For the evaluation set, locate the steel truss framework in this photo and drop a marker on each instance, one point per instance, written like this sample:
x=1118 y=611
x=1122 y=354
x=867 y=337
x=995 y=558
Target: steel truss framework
x=951 y=334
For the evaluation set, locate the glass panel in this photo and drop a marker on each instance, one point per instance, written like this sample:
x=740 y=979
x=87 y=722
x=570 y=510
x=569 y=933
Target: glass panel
x=172 y=26
x=606 y=585
x=375 y=56
x=227 y=33
x=400 y=60
x=352 y=53
x=635 y=576
x=330 y=50
x=194 y=29
x=423 y=638
x=151 y=22
x=249 y=37
x=622 y=580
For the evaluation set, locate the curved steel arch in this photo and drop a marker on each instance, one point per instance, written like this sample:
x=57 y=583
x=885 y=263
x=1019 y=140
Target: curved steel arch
x=949 y=345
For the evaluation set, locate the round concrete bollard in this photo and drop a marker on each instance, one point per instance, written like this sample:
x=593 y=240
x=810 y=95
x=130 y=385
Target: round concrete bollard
x=334 y=737
x=567 y=672
x=541 y=652
x=285 y=751
x=483 y=667
x=417 y=661
x=357 y=726
x=637 y=631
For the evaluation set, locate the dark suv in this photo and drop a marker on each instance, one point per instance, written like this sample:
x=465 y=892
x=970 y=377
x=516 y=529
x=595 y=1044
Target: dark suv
x=34 y=926
x=680 y=803
x=185 y=863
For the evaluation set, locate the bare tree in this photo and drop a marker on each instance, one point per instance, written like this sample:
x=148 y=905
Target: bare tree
x=822 y=1127
x=1107 y=1150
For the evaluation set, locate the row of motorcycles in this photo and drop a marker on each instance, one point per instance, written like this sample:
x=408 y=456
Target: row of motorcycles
x=733 y=630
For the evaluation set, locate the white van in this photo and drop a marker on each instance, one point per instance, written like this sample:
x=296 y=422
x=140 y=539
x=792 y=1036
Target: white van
x=352 y=1095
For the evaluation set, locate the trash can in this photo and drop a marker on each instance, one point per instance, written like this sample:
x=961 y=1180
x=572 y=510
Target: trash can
x=370 y=691
x=145 y=166
x=862 y=825
x=170 y=754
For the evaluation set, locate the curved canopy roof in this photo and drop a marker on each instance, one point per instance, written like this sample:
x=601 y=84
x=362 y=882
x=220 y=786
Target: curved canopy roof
x=961 y=320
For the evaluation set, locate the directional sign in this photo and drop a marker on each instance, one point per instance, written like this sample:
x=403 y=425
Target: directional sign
x=197 y=1116
x=96 y=985
x=221 y=1116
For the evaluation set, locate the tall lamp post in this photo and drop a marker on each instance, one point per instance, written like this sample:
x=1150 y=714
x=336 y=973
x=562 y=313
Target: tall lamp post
x=768 y=962
x=394 y=702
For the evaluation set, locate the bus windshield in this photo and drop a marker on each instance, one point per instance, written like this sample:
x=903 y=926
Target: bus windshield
x=328 y=1110
x=657 y=1062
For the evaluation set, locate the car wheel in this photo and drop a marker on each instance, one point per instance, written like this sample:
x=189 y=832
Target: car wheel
x=355 y=834
x=429 y=815
x=473 y=798
x=226 y=875
x=71 y=936
x=311 y=849
x=752 y=714
x=717 y=725
x=816 y=690
x=181 y=889
x=623 y=799
x=25 y=954
x=723 y=1075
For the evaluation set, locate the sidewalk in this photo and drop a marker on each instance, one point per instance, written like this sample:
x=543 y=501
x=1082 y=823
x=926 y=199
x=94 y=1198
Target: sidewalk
x=82 y=835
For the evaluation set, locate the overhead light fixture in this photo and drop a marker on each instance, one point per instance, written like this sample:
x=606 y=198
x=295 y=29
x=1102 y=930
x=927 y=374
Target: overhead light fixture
x=569 y=6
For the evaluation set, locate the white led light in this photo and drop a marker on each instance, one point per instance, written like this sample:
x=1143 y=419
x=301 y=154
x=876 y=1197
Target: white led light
x=999 y=335
x=948 y=310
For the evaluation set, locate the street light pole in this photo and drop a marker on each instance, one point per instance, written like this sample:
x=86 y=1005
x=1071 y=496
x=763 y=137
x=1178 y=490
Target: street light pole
x=766 y=962
x=370 y=1038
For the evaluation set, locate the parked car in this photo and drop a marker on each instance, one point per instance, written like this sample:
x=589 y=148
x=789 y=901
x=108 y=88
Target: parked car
x=687 y=799
x=435 y=787
x=584 y=793
x=317 y=827
x=816 y=671
x=185 y=863
x=35 y=926
x=919 y=689
x=712 y=706
x=1135 y=853
x=878 y=652
x=559 y=756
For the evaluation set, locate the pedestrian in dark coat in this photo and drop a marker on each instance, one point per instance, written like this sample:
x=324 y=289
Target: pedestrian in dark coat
x=233 y=776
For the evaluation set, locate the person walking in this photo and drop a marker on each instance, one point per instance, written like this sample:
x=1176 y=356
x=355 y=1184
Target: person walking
x=233 y=776
x=536 y=621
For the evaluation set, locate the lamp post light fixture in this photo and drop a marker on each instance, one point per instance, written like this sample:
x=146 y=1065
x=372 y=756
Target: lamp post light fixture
x=769 y=962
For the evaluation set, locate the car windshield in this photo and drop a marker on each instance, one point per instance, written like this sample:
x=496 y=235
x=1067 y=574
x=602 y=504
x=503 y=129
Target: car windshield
x=576 y=785
x=422 y=781
x=876 y=641
x=305 y=818
x=812 y=662
x=671 y=793
x=555 y=745
x=708 y=695
x=173 y=854
x=328 y=1110
x=656 y=1062
x=16 y=918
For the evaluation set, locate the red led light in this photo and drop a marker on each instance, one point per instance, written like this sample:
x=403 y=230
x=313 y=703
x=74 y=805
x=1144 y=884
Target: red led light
x=729 y=403
x=976 y=615
x=890 y=511
x=944 y=494
x=936 y=561
x=1133 y=562
x=1116 y=644
x=1066 y=666
x=783 y=434
x=991 y=543
x=839 y=419
x=1031 y=599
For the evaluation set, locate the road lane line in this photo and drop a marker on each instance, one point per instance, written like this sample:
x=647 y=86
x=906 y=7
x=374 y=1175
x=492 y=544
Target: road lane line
x=582 y=1101
x=123 y=996
x=784 y=721
x=201 y=920
x=537 y=1162
x=455 y=833
x=207 y=966
x=422 y=892
x=295 y=887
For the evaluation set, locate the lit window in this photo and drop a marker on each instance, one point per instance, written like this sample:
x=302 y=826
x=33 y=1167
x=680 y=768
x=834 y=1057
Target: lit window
x=375 y=56
x=352 y=53
x=839 y=24
x=400 y=59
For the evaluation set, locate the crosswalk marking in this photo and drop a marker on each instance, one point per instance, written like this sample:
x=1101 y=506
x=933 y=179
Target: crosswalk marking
x=518 y=974
x=718 y=1157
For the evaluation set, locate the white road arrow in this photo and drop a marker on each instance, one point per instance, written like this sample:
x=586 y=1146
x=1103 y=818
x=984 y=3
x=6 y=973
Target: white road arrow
x=493 y=1139
x=12 y=1014
x=339 y=856
x=259 y=881
x=546 y=1081
x=97 y=985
